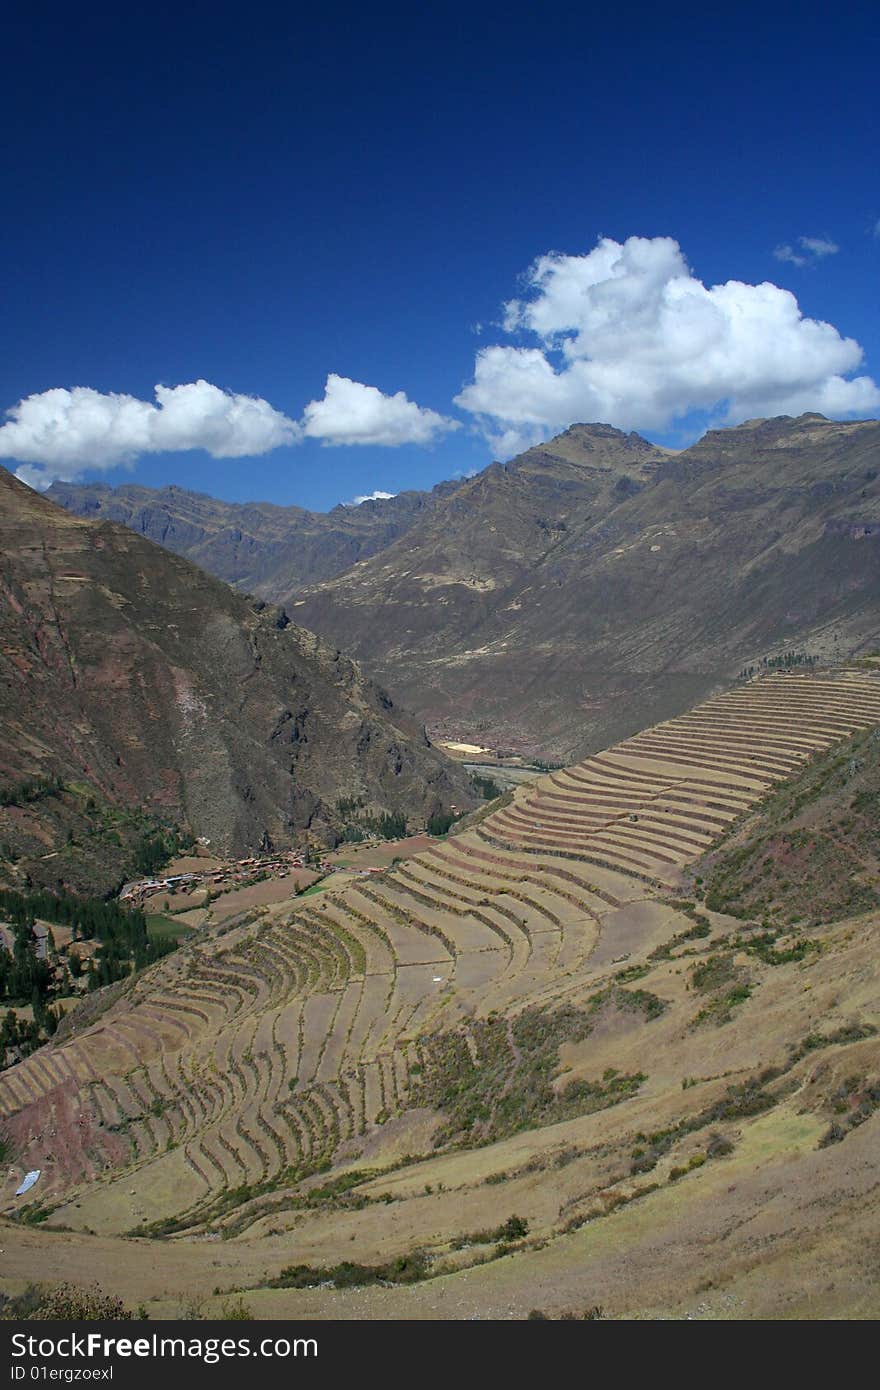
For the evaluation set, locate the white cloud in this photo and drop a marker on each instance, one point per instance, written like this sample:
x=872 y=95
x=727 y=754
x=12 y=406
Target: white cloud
x=377 y=496
x=813 y=248
x=63 y=432
x=629 y=336
x=788 y=253
x=34 y=477
x=352 y=413
x=819 y=246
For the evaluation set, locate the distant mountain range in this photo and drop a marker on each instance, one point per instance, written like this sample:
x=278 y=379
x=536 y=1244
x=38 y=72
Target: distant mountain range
x=139 y=681
x=591 y=586
x=257 y=546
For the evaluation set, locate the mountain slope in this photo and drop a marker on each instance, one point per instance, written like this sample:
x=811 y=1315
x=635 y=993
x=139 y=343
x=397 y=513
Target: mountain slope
x=595 y=583
x=632 y=590
x=264 y=549
x=127 y=669
x=807 y=854
x=518 y=1070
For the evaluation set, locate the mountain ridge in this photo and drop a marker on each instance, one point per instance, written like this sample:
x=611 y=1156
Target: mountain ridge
x=644 y=600
x=124 y=667
x=258 y=546
x=598 y=582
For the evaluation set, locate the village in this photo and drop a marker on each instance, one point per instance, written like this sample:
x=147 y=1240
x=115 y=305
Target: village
x=222 y=876
x=191 y=884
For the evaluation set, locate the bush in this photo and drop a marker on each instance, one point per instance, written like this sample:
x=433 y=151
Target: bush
x=713 y=973
x=593 y=1314
x=21 y=1305
x=852 y=1032
x=348 y=1274
x=510 y=1088
x=833 y=1135
x=71 y=1303
x=235 y=1310
x=514 y=1228
x=718 y=1146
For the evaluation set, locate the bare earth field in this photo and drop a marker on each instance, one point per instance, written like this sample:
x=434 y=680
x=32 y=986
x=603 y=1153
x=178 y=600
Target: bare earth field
x=380 y=854
x=533 y=1019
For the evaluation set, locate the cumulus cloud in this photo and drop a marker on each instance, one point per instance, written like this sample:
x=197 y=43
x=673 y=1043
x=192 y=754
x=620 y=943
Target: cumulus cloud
x=628 y=335
x=812 y=249
x=352 y=413
x=58 y=433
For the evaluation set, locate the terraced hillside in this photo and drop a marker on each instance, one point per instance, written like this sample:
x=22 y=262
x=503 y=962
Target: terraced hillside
x=655 y=802
x=216 y=1084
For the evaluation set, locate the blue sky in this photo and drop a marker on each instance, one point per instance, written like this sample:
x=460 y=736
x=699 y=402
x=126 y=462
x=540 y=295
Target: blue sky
x=261 y=199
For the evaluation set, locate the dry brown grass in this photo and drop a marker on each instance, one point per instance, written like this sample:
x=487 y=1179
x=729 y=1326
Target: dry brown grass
x=264 y=1088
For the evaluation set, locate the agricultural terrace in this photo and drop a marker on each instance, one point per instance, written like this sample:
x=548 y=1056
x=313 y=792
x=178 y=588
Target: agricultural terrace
x=300 y=1038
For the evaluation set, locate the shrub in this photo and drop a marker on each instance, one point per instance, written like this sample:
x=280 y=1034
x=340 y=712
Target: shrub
x=833 y=1135
x=712 y=973
x=588 y=1315
x=348 y=1274
x=72 y=1303
x=514 y=1228
x=21 y=1305
x=510 y=1089
x=235 y=1310
x=718 y=1146
x=193 y=1309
